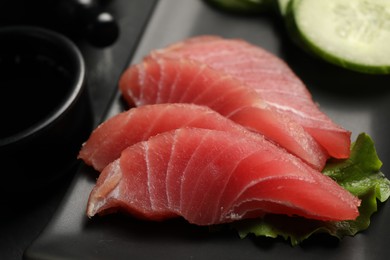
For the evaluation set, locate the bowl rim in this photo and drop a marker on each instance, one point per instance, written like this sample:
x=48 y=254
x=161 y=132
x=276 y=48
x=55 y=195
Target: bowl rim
x=76 y=89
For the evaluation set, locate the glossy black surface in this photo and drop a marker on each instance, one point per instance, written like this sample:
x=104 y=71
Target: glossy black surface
x=91 y=20
x=358 y=102
x=23 y=216
x=44 y=108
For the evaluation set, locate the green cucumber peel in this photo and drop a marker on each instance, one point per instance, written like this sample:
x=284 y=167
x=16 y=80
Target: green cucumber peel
x=353 y=34
x=243 y=6
x=283 y=6
x=360 y=174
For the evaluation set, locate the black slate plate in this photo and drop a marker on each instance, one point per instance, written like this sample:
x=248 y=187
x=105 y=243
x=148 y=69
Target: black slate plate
x=358 y=102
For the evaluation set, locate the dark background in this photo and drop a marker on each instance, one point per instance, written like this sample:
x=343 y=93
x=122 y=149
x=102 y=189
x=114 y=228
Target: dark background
x=107 y=48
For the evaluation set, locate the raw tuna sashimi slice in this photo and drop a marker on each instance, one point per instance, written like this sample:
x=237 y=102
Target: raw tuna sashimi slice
x=107 y=141
x=163 y=80
x=271 y=77
x=211 y=177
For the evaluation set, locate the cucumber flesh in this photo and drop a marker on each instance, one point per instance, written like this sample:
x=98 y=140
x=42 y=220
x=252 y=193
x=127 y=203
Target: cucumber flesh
x=354 y=34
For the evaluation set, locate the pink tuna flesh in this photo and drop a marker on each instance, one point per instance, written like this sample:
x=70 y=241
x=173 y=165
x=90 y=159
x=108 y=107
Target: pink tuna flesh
x=211 y=177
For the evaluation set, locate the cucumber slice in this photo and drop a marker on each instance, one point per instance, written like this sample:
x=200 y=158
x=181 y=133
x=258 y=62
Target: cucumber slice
x=243 y=6
x=354 y=34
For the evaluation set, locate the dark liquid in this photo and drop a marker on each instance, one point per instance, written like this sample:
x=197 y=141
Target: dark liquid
x=31 y=88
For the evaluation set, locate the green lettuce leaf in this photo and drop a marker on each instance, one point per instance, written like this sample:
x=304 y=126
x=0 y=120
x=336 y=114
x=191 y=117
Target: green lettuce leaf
x=360 y=174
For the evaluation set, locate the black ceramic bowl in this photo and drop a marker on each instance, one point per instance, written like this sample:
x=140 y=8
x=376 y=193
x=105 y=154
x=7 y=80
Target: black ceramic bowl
x=44 y=109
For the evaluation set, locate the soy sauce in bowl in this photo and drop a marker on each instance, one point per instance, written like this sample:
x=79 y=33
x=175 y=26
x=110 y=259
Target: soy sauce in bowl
x=33 y=86
x=44 y=108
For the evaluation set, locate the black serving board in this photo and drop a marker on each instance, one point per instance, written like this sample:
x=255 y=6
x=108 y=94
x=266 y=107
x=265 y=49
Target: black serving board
x=361 y=103
x=23 y=215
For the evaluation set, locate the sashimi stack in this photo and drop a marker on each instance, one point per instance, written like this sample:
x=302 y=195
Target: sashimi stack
x=219 y=130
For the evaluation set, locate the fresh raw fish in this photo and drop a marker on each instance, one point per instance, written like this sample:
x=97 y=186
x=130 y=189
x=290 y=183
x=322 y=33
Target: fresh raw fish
x=212 y=177
x=272 y=79
x=164 y=80
x=107 y=141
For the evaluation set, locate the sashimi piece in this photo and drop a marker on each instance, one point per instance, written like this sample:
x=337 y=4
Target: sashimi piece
x=271 y=77
x=223 y=177
x=107 y=141
x=160 y=80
